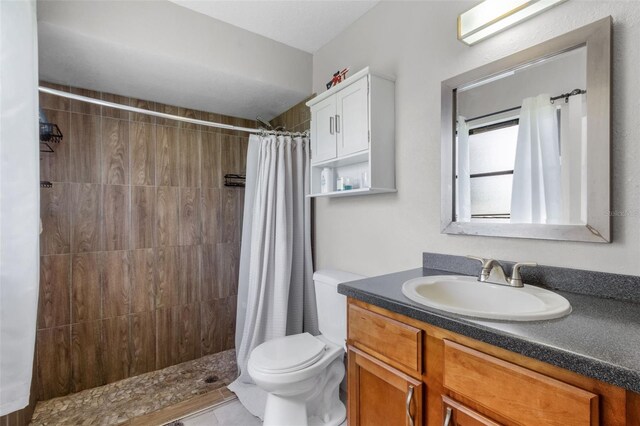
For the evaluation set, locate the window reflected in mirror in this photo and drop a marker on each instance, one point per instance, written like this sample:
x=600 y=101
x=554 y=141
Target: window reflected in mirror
x=521 y=145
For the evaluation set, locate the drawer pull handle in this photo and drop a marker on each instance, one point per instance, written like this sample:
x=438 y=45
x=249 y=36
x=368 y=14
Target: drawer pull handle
x=337 y=123
x=331 y=126
x=447 y=417
x=408 y=406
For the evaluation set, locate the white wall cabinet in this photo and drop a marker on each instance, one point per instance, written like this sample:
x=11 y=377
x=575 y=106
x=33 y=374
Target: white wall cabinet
x=353 y=133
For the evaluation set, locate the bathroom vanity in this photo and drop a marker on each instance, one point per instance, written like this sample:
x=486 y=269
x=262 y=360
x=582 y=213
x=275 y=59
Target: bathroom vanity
x=412 y=365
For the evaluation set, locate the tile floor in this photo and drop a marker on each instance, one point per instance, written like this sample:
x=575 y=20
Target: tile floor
x=120 y=401
x=228 y=414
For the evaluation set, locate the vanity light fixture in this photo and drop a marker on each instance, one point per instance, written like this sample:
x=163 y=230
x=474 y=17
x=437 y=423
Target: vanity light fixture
x=492 y=16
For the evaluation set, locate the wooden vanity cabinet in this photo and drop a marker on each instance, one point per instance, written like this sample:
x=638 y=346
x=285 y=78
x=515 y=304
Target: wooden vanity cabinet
x=445 y=377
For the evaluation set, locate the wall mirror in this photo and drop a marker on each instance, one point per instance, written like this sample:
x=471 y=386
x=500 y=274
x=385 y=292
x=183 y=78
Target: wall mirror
x=525 y=142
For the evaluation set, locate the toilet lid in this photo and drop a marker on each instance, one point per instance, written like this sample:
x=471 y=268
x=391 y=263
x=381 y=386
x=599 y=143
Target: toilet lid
x=286 y=354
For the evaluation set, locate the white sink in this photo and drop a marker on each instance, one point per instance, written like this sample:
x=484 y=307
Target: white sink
x=467 y=296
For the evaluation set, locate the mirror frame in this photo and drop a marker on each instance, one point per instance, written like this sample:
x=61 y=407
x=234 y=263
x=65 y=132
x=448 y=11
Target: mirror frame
x=597 y=39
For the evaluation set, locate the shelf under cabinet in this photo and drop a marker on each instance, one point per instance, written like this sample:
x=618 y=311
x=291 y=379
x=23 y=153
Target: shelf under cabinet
x=348 y=192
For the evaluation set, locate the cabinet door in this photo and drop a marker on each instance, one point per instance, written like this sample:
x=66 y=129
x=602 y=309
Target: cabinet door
x=380 y=394
x=323 y=130
x=456 y=414
x=352 y=119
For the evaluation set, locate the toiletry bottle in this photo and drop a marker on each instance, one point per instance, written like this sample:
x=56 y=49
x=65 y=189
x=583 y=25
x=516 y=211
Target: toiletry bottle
x=326 y=180
x=347 y=184
x=340 y=184
x=364 y=180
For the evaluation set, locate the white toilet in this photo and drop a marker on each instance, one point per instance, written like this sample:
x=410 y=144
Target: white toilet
x=302 y=373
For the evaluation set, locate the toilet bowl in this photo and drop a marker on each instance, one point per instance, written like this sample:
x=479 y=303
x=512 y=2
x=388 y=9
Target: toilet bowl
x=302 y=373
x=304 y=387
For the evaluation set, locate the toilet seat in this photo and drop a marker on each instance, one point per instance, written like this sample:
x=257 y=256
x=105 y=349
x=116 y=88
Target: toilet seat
x=287 y=354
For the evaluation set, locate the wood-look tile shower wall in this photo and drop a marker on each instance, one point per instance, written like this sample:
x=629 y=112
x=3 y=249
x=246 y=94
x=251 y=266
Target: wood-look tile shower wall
x=141 y=242
x=295 y=119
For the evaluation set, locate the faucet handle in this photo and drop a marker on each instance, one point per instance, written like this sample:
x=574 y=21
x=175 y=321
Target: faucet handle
x=516 y=278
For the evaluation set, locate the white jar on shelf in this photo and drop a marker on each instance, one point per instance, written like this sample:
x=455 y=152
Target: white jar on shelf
x=327 y=180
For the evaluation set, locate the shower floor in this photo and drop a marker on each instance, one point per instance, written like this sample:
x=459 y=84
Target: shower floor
x=125 y=400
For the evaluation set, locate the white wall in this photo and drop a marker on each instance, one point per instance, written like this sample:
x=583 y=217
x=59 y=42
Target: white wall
x=416 y=42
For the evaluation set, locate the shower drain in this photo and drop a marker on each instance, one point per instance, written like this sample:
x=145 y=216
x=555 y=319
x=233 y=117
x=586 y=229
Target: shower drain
x=210 y=379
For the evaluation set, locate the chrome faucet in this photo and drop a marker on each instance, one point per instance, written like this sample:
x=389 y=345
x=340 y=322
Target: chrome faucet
x=493 y=273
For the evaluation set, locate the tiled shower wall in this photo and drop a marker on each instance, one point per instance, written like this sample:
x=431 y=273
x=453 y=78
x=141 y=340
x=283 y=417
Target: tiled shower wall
x=140 y=242
x=295 y=119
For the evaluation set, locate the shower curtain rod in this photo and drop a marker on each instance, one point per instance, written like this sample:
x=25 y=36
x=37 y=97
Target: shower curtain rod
x=81 y=98
x=566 y=97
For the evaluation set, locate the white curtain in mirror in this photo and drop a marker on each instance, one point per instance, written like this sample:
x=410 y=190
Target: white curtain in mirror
x=573 y=153
x=19 y=201
x=537 y=189
x=463 y=190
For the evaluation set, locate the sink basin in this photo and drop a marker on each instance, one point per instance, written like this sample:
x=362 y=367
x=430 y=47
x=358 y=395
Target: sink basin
x=467 y=296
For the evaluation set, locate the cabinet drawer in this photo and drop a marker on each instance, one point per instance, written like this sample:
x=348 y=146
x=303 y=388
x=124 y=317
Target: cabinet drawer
x=514 y=392
x=457 y=414
x=397 y=344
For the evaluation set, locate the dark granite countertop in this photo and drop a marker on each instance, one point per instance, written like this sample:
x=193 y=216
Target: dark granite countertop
x=599 y=339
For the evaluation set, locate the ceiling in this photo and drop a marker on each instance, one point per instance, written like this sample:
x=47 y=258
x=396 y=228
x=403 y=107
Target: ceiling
x=253 y=58
x=304 y=24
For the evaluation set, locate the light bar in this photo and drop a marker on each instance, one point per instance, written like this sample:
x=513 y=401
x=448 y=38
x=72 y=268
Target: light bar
x=492 y=16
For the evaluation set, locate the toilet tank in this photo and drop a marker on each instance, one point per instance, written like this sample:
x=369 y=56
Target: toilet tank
x=332 y=306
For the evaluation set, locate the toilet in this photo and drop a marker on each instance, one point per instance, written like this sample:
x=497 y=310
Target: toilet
x=302 y=373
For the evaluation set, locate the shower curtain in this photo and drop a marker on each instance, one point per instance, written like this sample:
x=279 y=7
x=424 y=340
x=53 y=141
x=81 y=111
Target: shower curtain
x=276 y=296
x=536 y=195
x=19 y=200
x=573 y=155
x=463 y=191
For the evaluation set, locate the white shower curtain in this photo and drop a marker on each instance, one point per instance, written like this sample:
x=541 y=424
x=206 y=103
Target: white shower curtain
x=19 y=200
x=276 y=296
x=536 y=196
x=573 y=155
x=463 y=191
